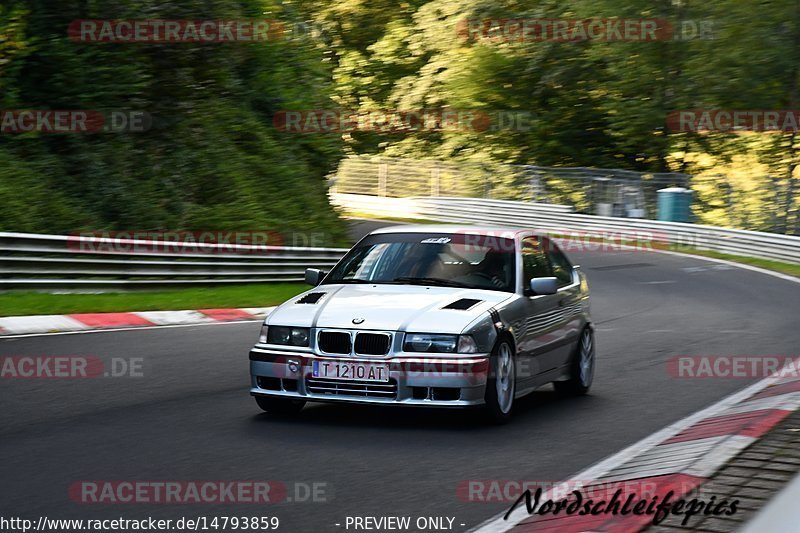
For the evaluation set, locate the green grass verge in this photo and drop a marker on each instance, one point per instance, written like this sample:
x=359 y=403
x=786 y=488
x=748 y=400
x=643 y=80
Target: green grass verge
x=369 y=216
x=255 y=295
x=778 y=266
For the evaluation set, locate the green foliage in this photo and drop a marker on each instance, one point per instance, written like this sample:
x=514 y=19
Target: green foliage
x=596 y=103
x=211 y=160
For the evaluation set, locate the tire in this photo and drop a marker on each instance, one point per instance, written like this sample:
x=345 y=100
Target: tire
x=501 y=384
x=581 y=367
x=280 y=406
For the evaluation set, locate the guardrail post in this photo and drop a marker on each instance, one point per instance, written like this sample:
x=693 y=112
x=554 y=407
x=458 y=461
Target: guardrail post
x=435 y=181
x=383 y=171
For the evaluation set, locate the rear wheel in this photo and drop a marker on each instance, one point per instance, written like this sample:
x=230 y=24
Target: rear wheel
x=581 y=367
x=280 y=406
x=501 y=384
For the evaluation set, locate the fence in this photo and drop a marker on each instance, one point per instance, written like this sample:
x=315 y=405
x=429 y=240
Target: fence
x=561 y=219
x=612 y=192
x=29 y=261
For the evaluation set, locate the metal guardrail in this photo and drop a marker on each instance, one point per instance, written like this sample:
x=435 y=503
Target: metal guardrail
x=32 y=261
x=415 y=207
x=547 y=218
x=618 y=192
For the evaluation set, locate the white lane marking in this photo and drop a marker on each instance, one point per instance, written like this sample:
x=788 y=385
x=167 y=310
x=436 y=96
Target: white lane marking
x=774 y=274
x=40 y=323
x=788 y=402
x=169 y=318
x=606 y=466
x=727 y=450
x=131 y=328
x=693 y=269
x=257 y=311
x=664 y=459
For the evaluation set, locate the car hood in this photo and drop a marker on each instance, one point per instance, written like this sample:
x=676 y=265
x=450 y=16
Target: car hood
x=386 y=307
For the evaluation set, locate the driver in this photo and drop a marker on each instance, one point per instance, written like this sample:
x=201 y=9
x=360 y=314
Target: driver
x=492 y=267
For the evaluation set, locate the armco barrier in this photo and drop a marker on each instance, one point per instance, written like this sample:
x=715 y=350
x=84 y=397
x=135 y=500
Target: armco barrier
x=560 y=219
x=50 y=261
x=32 y=261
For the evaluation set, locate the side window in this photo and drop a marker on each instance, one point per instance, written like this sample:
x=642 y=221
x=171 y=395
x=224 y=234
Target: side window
x=562 y=268
x=534 y=262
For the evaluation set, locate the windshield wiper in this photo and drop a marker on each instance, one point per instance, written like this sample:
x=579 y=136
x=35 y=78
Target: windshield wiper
x=350 y=280
x=430 y=281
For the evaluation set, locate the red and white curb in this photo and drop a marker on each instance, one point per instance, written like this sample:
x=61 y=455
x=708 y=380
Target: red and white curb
x=679 y=458
x=26 y=325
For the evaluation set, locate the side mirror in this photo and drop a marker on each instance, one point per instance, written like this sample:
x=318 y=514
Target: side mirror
x=314 y=276
x=542 y=286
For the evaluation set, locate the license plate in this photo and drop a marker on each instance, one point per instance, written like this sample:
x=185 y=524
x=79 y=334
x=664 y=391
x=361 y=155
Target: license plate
x=350 y=371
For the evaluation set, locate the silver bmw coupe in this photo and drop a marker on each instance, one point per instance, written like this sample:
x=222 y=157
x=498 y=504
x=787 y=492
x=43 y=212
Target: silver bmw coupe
x=439 y=316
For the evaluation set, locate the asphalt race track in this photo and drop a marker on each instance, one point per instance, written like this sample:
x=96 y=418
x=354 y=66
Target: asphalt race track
x=189 y=417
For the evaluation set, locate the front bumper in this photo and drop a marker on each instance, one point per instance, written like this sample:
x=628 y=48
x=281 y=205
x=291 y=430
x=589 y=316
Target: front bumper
x=420 y=381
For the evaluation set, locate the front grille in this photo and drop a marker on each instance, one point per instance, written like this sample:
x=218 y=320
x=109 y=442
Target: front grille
x=445 y=393
x=372 y=343
x=269 y=383
x=277 y=384
x=362 y=389
x=334 y=342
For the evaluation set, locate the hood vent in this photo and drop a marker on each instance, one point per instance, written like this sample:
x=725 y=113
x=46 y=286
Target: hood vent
x=311 y=298
x=463 y=304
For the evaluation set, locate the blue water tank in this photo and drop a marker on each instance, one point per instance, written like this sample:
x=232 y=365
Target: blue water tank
x=675 y=204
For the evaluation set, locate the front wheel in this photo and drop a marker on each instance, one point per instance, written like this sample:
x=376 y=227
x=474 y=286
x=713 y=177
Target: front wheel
x=280 y=406
x=581 y=367
x=501 y=384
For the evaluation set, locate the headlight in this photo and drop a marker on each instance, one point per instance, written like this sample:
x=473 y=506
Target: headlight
x=439 y=343
x=286 y=335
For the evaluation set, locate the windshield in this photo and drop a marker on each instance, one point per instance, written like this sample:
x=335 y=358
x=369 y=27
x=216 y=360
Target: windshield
x=450 y=260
